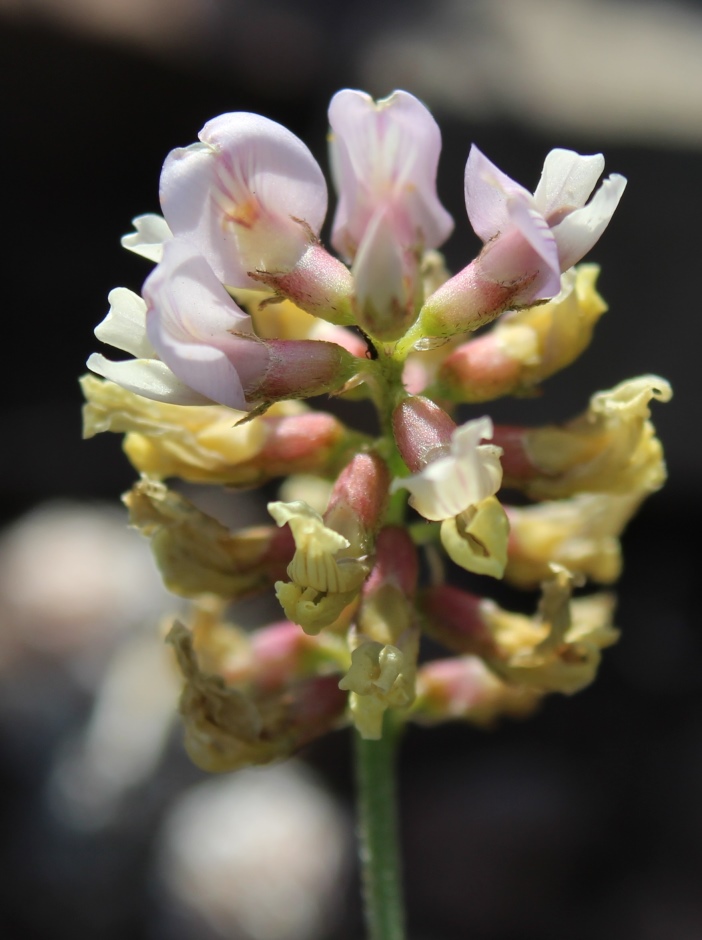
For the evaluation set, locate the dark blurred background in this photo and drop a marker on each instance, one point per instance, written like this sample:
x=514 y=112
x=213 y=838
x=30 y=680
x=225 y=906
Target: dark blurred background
x=584 y=821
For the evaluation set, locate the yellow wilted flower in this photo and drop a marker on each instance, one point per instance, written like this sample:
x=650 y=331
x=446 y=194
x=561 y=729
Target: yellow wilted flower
x=198 y=555
x=558 y=650
x=611 y=448
x=208 y=444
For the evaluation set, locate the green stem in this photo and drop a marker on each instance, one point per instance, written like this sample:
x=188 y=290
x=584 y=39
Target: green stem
x=378 y=834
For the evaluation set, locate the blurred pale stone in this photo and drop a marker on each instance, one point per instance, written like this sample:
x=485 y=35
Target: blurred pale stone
x=260 y=855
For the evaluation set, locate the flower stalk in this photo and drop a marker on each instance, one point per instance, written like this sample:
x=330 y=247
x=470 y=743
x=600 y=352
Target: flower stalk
x=377 y=828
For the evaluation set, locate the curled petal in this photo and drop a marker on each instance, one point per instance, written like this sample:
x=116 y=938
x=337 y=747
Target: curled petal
x=124 y=327
x=197 y=555
x=610 y=448
x=151 y=232
x=385 y=153
x=476 y=539
x=580 y=533
x=250 y=196
x=581 y=229
x=559 y=649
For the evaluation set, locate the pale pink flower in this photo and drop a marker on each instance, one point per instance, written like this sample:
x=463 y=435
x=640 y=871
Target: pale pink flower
x=533 y=238
x=529 y=239
x=194 y=345
x=250 y=196
x=384 y=159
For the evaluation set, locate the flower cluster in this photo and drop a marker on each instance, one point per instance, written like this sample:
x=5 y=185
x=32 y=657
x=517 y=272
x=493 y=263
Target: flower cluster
x=246 y=314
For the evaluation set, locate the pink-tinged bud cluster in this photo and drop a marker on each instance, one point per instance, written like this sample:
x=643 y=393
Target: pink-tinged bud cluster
x=246 y=312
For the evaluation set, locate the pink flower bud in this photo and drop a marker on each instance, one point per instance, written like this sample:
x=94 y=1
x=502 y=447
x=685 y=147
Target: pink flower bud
x=455 y=619
x=396 y=562
x=318 y=283
x=306 y=443
x=422 y=430
x=480 y=370
x=362 y=489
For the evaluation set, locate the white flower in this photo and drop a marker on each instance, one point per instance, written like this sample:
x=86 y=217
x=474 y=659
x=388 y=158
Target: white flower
x=469 y=473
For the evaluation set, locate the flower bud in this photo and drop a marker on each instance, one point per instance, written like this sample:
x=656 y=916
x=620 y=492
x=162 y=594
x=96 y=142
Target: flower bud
x=526 y=346
x=455 y=618
x=464 y=688
x=423 y=431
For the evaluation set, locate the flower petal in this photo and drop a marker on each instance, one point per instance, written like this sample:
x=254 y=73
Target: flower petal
x=469 y=474
x=147 y=377
x=241 y=195
x=567 y=180
x=487 y=190
x=124 y=327
x=148 y=239
x=385 y=153
x=580 y=230
x=535 y=231
x=196 y=328
x=383 y=280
